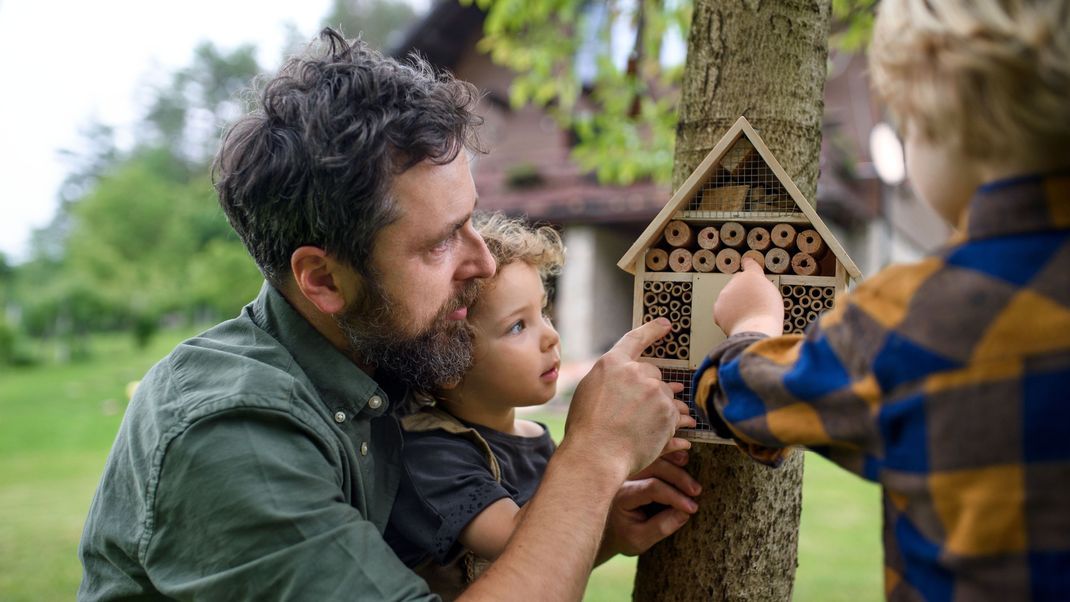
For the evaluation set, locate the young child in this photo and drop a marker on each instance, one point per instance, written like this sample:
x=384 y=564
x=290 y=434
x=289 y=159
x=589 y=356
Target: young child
x=947 y=381
x=470 y=463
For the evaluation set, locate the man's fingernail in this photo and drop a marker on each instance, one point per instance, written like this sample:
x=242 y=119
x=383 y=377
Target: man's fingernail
x=692 y=506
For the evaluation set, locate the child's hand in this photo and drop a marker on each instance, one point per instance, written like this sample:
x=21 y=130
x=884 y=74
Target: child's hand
x=750 y=303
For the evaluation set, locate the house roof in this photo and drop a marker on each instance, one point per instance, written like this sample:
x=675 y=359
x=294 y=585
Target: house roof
x=711 y=169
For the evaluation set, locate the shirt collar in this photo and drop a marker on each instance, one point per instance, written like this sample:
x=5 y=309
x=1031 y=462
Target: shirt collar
x=337 y=379
x=1019 y=205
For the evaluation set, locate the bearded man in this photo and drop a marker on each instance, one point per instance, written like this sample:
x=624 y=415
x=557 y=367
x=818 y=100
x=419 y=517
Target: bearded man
x=260 y=459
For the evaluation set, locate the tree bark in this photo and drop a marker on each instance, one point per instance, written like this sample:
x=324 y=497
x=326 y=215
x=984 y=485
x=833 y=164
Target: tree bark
x=765 y=60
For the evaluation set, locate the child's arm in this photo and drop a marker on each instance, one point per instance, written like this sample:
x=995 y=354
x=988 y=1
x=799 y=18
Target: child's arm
x=629 y=530
x=491 y=529
x=770 y=392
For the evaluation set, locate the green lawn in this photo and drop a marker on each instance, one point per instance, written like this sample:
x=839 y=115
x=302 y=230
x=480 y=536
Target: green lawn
x=57 y=423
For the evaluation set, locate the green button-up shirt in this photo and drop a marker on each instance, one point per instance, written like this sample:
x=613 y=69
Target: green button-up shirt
x=254 y=462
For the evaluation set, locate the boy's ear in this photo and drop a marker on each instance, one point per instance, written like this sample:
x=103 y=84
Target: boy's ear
x=322 y=279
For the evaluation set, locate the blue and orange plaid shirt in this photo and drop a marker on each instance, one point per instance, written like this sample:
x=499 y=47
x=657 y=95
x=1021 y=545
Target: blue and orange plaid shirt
x=946 y=381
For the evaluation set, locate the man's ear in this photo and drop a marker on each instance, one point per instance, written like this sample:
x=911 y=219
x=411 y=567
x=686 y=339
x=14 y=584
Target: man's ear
x=321 y=278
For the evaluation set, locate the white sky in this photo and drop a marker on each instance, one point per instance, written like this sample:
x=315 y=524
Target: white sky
x=62 y=62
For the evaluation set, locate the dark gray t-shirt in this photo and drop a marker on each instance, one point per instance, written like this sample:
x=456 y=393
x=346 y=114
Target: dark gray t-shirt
x=447 y=482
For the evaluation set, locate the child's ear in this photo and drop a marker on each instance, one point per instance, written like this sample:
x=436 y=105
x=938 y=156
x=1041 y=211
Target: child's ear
x=450 y=386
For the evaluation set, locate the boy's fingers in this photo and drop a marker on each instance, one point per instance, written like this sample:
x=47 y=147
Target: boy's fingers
x=750 y=264
x=635 y=341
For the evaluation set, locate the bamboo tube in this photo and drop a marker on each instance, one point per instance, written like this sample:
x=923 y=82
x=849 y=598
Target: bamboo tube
x=703 y=260
x=681 y=352
x=800 y=323
x=803 y=264
x=828 y=292
x=675 y=326
x=757 y=256
x=685 y=309
x=670 y=348
x=647 y=285
x=660 y=310
x=810 y=242
x=657 y=286
x=649 y=299
x=788 y=304
x=811 y=316
x=648 y=318
x=659 y=352
x=788 y=326
x=678 y=234
x=733 y=234
x=680 y=260
x=814 y=292
x=685 y=296
x=674 y=305
x=777 y=261
x=676 y=290
x=728 y=261
x=785 y=290
x=663 y=297
x=797 y=311
x=685 y=340
x=708 y=238
x=783 y=235
x=803 y=302
x=674 y=317
x=798 y=291
x=758 y=238
x=685 y=322
x=657 y=260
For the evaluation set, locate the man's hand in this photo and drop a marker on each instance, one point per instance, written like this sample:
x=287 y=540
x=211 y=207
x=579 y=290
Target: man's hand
x=631 y=529
x=622 y=414
x=750 y=303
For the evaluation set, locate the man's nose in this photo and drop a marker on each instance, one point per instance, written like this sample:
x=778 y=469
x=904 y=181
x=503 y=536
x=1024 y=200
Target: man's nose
x=478 y=263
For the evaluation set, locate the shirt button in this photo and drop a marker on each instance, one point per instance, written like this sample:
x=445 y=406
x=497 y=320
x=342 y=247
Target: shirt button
x=339 y=417
x=364 y=448
x=375 y=402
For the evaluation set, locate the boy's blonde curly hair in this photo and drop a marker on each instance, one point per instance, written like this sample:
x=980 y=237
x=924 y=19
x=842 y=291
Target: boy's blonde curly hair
x=511 y=240
x=988 y=77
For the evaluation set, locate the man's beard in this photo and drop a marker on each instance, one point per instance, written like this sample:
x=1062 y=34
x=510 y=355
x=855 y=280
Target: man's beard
x=376 y=333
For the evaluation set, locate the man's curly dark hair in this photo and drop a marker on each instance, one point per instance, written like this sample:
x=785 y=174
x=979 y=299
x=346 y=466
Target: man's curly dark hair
x=314 y=162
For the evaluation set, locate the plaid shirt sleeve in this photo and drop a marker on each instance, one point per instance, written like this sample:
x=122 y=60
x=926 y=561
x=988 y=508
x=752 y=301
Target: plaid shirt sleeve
x=820 y=390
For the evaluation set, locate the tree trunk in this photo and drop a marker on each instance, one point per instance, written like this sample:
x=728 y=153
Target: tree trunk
x=766 y=61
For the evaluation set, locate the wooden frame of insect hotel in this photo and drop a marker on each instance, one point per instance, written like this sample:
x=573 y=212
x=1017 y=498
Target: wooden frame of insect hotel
x=738 y=202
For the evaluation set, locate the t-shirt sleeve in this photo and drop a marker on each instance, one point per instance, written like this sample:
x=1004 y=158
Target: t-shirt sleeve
x=447 y=483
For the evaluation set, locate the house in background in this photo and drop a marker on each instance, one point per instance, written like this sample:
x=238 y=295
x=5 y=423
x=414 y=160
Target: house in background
x=528 y=172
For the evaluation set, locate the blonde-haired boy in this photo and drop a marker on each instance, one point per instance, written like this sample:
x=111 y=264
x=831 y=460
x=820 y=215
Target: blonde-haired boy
x=948 y=380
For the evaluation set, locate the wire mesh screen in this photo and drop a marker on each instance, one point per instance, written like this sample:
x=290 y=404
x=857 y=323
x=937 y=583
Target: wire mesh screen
x=683 y=375
x=741 y=182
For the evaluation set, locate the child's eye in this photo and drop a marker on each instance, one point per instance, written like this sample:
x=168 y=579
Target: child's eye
x=517 y=327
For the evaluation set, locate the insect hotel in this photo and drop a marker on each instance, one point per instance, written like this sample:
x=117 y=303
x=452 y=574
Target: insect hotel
x=739 y=202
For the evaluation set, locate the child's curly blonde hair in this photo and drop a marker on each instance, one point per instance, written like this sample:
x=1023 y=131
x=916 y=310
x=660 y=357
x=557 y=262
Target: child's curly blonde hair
x=990 y=78
x=511 y=240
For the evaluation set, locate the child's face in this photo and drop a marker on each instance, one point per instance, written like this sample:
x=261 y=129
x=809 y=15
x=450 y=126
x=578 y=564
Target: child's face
x=516 y=352
x=940 y=175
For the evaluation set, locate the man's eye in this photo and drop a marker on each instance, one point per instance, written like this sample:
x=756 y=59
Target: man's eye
x=443 y=245
x=517 y=327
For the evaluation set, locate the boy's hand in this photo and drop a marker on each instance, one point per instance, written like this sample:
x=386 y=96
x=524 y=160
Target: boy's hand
x=750 y=303
x=622 y=415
